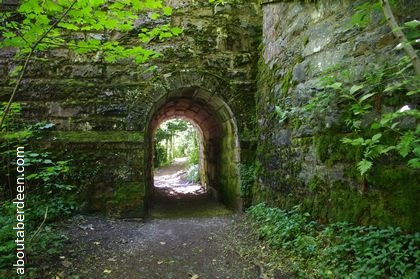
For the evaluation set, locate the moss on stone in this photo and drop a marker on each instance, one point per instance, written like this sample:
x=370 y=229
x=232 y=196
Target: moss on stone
x=98 y=136
x=21 y=135
x=316 y=184
x=285 y=85
x=330 y=149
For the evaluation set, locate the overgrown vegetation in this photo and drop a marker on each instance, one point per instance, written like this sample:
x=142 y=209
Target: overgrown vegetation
x=49 y=196
x=339 y=250
x=248 y=174
x=87 y=28
x=380 y=107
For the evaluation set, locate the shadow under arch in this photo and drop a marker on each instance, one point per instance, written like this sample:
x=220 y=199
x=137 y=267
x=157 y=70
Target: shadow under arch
x=218 y=131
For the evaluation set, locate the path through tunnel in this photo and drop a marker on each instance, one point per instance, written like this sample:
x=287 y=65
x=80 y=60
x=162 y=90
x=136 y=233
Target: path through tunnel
x=218 y=156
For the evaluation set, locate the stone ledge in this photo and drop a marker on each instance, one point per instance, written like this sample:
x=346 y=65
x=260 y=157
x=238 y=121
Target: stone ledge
x=98 y=136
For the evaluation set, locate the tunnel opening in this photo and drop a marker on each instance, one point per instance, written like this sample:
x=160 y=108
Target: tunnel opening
x=178 y=159
x=218 y=147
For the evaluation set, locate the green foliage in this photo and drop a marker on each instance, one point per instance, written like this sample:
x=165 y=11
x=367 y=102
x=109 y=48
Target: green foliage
x=174 y=139
x=223 y=2
x=161 y=155
x=193 y=173
x=361 y=102
x=331 y=251
x=37 y=17
x=46 y=188
x=193 y=151
x=363 y=15
x=386 y=132
x=248 y=176
x=15 y=110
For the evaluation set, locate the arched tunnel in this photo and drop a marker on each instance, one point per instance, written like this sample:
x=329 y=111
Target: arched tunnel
x=217 y=131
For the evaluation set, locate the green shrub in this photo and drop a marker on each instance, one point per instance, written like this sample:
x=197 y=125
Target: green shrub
x=193 y=174
x=247 y=179
x=48 y=194
x=337 y=250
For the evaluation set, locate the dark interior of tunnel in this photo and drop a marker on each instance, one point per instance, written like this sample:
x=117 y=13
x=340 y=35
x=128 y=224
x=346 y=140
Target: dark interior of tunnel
x=208 y=116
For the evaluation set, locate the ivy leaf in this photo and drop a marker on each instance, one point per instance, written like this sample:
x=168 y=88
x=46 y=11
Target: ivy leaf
x=376 y=137
x=336 y=85
x=154 y=16
x=412 y=24
x=51 y=6
x=176 y=31
x=414 y=163
x=355 y=88
x=144 y=38
x=375 y=126
x=9 y=34
x=354 y=142
x=111 y=23
x=15 y=72
x=367 y=96
x=413 y=92
x=167 y=11
x=31 y=6
x=364 y=166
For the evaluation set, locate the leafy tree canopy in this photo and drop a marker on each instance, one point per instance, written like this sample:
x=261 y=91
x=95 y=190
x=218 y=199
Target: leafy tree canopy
x=95 y=25
x=84 y=26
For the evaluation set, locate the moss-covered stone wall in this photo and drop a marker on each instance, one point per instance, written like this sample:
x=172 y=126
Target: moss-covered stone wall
x=256 y=96
x=300 y=156
x=101 y=110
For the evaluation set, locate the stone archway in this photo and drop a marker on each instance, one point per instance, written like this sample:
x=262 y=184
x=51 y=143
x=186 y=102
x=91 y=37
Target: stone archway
x=219 y=138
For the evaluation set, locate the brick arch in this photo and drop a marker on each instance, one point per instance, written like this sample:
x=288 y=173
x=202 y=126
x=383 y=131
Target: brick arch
x=218 y=135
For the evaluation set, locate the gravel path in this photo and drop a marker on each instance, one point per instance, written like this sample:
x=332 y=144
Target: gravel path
x=172 y=243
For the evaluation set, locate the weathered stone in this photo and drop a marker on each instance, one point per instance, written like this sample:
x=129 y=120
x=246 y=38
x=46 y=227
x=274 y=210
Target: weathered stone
x=303 y=160
x=105 y=113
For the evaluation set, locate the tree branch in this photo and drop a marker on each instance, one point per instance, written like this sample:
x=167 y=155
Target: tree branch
x=25 y=66
x=40 y=226
x=400 y=35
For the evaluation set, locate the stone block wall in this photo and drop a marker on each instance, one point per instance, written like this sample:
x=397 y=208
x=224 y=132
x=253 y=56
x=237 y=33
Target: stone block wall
x=105 y=112
x=301 y=159
x=101 y=110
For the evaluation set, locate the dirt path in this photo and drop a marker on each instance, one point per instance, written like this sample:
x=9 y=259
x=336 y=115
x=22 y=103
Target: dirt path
x=171 y=244
x=174 y=197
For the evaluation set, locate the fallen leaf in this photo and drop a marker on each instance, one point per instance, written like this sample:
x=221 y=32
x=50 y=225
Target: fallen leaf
x=66 y=263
